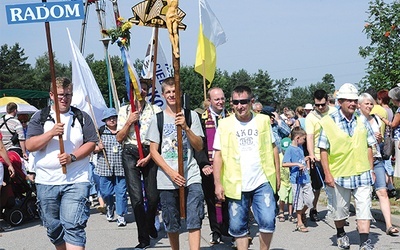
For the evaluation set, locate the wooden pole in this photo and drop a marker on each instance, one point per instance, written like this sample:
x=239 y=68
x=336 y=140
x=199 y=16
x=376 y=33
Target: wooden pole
x=153 y=82
x=54 y=87
x=176 y=65
x=204 y=80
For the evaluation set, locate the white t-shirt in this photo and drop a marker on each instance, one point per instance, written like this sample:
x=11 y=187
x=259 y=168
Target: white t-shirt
x=247 y=135
x=47 y=165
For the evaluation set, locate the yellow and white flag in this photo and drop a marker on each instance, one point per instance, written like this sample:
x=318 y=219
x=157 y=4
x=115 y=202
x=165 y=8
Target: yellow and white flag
x=211 y=35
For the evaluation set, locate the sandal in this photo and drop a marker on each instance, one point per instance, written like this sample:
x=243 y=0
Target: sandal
x=281 y=217
x=392 y=231
x=292 y=219
x=304 y=219
x=301 y=228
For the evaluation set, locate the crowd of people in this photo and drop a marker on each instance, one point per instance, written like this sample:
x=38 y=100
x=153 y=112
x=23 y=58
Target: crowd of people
x=242 y=161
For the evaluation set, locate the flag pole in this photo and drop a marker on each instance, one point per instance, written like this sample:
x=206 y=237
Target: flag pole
x=204 y=80
x=153 y=82
x=54 y=88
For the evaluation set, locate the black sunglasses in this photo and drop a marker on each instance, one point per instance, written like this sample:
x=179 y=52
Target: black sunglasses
x=243 y=101
x=320 y=105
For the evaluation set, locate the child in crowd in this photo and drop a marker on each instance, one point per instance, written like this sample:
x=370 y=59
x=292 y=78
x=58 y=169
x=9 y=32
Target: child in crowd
x=285 y=192
x=299 y=177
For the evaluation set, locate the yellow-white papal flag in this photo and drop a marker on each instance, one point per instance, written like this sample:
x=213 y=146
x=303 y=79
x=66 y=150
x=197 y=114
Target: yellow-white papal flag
x=211 y=35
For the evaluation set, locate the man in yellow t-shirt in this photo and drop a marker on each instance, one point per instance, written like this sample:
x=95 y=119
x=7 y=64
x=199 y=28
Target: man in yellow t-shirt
x=321 y=108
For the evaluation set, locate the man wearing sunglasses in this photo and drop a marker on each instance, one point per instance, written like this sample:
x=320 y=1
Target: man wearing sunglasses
x=321 y=109
x=246 y=169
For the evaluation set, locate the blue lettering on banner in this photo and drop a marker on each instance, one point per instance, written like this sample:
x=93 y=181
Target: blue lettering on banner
x=44 y=12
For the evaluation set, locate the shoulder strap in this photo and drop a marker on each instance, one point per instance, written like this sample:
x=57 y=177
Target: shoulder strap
x=5 y=123
x=160 y=125
x=45 y=115
x=77 y=115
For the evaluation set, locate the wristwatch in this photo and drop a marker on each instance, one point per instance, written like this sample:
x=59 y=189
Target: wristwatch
x=73 y=157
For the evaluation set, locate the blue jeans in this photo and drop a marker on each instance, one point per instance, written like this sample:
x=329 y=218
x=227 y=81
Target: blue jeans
x=264 y=204
x=194 y=208
x=380 y=174
x=64 y=210
x=110 y=185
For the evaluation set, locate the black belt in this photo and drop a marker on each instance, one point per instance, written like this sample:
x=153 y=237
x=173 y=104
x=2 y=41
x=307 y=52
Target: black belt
x=378 y=159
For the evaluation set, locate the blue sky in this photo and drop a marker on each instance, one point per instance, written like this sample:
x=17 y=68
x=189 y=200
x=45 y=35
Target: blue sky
x=288 y=38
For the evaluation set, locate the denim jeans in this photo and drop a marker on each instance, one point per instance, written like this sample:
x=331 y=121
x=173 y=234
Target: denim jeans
x=144 y=217
x=380 y=174
x=64 y=210
x=194 y=198
x=110 y=185
x=263 y=203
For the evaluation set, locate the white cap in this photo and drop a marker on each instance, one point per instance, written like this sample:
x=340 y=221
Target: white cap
x=309 y=106
x=347 y=91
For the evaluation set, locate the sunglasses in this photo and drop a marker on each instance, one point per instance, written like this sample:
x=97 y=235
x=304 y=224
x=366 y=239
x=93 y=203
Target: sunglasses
x=320 y=105
x=242 y=101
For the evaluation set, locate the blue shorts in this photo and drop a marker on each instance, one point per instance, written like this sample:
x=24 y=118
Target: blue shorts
x=380 y=174
x=64 y=210
x=169 y=200
x=264 y=205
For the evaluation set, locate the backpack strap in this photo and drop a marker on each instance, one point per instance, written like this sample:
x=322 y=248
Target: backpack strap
x=77 y=115
x=5 y=123
x=45 y=116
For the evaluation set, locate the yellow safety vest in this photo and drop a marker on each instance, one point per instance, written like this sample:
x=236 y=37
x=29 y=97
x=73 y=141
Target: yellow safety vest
x=348 y=155
x=231 y=174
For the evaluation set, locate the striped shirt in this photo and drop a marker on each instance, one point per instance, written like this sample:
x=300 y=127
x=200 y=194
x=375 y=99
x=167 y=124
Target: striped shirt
x=15 y=126
x=348 y=126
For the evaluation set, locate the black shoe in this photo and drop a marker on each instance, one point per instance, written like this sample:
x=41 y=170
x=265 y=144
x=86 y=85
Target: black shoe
x=142 y=246
x=153 y=235
x=392 y=193
x=215 y=238
x=314 y=215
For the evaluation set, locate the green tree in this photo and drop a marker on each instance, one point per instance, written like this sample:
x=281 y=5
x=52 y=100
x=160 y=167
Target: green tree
x=42 y=77
x=299 y=96
x=263 y=87
x=15 y=72
x=383 y=52
x=281 y=91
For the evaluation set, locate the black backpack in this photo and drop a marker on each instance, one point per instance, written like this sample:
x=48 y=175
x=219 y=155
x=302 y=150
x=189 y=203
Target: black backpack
x=45 y=116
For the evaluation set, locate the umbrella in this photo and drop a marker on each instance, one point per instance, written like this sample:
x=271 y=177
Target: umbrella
x=23 y=106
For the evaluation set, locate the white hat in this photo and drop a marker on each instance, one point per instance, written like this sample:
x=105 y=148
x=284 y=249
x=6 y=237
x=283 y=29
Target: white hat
x=347 y=91
x=309 y=106
x=394 y=93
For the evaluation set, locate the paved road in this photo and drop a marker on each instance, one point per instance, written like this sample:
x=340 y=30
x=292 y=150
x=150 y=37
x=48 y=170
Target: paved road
x=106 y=236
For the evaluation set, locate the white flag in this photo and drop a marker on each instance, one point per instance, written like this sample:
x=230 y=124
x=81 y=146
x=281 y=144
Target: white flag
x=162 y=71
x=85 y=87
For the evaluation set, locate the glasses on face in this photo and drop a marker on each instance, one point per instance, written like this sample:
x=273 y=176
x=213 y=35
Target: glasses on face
x=320 y=105
x=242 y=101
x=350 y=101
x=66 y=96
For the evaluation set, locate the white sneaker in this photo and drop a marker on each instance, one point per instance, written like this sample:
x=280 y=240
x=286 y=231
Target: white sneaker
x=121 y=222
x=110 y=213
x=343 y=242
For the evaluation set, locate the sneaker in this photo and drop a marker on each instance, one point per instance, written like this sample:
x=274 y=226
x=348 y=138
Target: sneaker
x=343 y=242
x=215 y=238
x=121 y=222
x=314 y=214
x=142 y=246
x=110 y=214
x=366 y=245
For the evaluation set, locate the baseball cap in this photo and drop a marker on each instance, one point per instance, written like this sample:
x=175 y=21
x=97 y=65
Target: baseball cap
x=308 y=106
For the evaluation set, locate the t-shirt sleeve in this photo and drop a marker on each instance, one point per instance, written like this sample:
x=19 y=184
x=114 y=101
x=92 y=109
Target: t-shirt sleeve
x=122 y=117
x=196 y=124
x=88 y=130
x=287 y=157
x=34 y=126
x=217 y=142
x=153 y=134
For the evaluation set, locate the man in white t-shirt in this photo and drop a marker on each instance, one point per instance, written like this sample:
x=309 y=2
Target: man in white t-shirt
x=62 y=198
x=246 y=169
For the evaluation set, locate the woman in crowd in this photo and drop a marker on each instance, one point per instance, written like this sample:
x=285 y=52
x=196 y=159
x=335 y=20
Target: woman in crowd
x=365 y=104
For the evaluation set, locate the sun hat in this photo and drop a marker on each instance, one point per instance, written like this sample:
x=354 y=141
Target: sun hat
x=347 y=91
x=308 y=106
x=285 y=143
x=394 y=93
x=109 y=112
